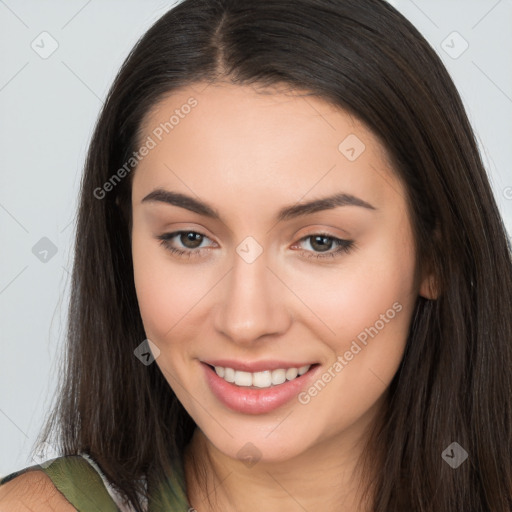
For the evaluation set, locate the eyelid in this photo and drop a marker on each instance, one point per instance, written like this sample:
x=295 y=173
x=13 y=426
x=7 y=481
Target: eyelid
x=343 y=245
x=324 y=229
x=166 y=237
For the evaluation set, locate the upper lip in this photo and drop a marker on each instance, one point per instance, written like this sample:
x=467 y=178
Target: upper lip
x=255 y=366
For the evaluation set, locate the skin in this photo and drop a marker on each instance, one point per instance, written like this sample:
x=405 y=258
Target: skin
x=248 y=155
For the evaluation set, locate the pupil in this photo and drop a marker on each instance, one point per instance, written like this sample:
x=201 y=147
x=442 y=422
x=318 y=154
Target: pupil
x=323 y=240
x=192 y=237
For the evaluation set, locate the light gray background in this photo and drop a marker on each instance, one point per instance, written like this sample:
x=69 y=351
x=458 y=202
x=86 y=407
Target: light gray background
x=48 y=108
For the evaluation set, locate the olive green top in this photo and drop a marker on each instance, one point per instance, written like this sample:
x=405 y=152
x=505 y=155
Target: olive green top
x=84 y=488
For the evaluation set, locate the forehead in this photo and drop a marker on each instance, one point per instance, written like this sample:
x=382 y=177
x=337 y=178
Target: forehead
x=263 y=141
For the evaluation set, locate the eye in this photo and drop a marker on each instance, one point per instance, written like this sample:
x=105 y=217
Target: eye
x=325 y=242
x=191 y=242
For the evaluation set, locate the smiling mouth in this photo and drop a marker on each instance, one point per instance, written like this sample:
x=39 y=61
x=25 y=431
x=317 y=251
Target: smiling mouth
x=262 y=379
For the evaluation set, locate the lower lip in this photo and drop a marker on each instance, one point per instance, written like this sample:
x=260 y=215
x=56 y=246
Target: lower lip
x=256 y=401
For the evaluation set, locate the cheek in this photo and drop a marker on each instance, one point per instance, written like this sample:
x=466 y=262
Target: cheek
x=149 y=288
x=157 y=289
x=369 y=309
x=355 y=294
x=368 y=304
x=167 y=294
x=374 y=309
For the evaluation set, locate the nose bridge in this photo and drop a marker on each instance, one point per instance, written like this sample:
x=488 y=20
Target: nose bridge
x=252 y=302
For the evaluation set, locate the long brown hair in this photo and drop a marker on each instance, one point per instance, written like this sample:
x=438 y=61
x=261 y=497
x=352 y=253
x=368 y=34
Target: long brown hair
x=455 y=380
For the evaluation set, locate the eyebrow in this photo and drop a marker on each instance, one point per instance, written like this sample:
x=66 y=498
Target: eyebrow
x=289 y=212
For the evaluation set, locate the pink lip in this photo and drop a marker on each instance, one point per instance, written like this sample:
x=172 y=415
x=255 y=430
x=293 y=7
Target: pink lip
x=257 y=366
x=256 y=401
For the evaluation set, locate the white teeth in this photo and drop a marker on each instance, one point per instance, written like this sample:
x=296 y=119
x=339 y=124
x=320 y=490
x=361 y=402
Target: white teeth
x=229 y=375
x=304 y=369
x=278 y=377
x=291 y=373
x=263 y=379
x=243 y=378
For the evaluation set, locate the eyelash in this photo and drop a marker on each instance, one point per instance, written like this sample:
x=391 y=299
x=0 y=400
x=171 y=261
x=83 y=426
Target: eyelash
x=344 y=246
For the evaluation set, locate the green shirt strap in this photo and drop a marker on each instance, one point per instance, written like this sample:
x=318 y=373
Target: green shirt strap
x=77 y=480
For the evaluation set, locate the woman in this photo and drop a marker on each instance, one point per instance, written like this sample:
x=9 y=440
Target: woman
x=292 y=286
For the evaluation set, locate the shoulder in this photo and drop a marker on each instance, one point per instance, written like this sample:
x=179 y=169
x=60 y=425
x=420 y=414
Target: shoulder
x=33 y=490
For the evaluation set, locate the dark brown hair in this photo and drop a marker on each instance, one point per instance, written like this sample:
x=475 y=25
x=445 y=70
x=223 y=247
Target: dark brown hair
x=454 y=383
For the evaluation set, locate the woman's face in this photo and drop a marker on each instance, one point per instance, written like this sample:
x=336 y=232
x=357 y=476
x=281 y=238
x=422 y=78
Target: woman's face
x=264 y=282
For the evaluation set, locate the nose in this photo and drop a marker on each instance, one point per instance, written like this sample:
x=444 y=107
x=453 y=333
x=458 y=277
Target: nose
x=253 y=303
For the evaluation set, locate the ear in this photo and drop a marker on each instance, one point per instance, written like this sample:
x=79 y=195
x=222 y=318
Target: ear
x=429 y=287
x=429 y=283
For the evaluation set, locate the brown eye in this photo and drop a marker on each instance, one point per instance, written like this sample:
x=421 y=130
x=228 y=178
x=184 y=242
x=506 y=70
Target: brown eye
x=184 y=243
x=323 y=243
x=190 y=239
